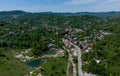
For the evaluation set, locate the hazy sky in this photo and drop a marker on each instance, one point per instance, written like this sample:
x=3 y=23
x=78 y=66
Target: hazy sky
x=60 y=5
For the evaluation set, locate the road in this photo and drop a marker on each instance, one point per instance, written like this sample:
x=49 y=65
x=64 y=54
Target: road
x=80 y=73
x=73 y=64
x=70 y=61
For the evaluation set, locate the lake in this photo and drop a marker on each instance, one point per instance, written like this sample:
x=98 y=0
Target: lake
x=50 y=52
x=36 y=63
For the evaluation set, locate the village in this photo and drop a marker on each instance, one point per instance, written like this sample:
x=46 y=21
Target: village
x=71 y=37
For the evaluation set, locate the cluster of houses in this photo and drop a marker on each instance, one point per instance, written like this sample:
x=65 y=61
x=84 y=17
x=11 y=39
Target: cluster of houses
x=101 y=34
x=87 y=44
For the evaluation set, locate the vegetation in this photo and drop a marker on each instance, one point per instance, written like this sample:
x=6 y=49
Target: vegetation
x=21 y=30
x=10 y=66
x=54 y=67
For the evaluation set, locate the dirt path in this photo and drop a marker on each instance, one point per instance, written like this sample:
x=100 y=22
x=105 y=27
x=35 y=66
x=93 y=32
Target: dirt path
x=73 y=64
x=80 y=72
x=70 y=60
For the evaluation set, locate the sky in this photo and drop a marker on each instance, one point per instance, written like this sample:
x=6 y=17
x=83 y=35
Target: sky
x=60 y=5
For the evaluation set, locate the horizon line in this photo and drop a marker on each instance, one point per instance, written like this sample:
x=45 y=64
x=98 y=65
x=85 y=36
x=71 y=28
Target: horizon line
x=59 y=11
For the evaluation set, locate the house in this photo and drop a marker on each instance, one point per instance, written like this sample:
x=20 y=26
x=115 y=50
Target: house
x=51 y=45
x=84 y=45
x=97 y=61
x=87 y=50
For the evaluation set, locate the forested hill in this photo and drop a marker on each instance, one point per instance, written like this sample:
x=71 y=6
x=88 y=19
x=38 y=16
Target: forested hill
x=9 y=15
x=99 y=14
x=16 y=14
x=22 y=30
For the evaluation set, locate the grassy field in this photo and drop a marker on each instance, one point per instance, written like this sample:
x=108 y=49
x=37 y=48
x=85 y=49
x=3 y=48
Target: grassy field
x=54 y=67
x=10 y=66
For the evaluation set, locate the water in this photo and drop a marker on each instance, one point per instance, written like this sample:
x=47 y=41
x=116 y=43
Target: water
x=51 y=52
x=39 y=62
x=36 y=63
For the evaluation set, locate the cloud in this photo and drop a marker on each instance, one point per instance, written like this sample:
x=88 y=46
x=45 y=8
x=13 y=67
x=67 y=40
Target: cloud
x=62 y=5
x=78 y=2
x=88 y=2
x=92 y=5
x=108 y=5
x=80 y=6
x=110 y=1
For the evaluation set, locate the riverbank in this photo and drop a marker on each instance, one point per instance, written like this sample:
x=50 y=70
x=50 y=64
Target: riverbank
x=22 y=56
x=51 y=61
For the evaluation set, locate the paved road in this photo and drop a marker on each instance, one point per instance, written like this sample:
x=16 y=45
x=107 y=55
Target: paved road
x=80 y=73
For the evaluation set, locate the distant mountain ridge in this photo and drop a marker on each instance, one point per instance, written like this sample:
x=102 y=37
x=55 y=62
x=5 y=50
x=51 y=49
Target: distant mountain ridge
x=12 y=12
x=10 y=15
x=85 y=13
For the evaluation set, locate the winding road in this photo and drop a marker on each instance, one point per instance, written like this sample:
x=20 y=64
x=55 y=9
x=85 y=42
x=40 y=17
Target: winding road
x=80 y=73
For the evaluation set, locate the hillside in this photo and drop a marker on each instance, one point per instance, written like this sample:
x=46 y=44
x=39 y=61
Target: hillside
x=9 y=15
x=42 y=32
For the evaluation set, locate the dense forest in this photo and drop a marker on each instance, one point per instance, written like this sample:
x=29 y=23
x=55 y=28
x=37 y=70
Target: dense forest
x=19 y=29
